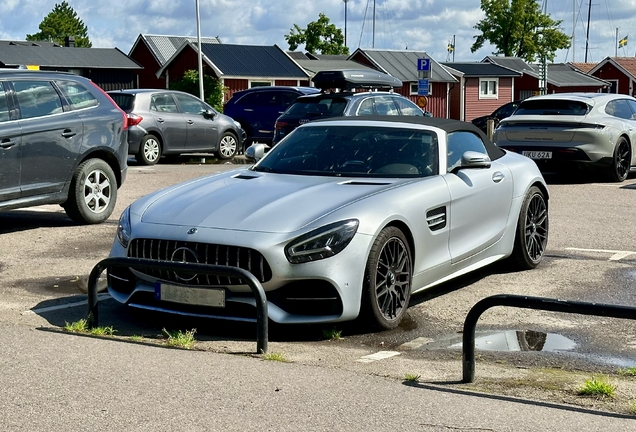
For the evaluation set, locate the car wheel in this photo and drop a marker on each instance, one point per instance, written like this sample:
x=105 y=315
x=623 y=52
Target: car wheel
x=227 y=146
x=387 y=281
x=149 y=150
x=532 y=230
x=621 y=162
x=93 y=192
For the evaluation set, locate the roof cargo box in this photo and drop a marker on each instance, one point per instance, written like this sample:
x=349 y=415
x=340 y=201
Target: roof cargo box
x=351 y=79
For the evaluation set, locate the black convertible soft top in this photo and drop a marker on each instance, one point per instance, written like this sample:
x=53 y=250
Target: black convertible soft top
x=448 y=125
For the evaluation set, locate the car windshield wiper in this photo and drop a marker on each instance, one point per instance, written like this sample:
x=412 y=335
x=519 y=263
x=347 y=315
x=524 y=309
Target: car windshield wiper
x=264 y=169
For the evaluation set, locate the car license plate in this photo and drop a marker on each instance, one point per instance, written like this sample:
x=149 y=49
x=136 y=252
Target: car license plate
x=537 y=154
x=189 y=295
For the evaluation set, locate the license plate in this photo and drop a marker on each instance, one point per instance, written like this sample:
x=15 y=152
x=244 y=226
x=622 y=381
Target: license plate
x=537 y=154
x=189 y=295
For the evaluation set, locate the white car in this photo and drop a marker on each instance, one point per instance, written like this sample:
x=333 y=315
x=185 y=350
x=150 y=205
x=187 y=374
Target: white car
x=344 y=218
x=596 y=130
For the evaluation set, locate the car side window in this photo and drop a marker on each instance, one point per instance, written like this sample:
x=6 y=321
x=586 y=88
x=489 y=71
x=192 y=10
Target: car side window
x=632 y=104
x=163 y=103
x=366 y=107
x=619 y=108
x=4 y=107
x=407 y=107
x=460 y=142
x=190 y=105
x=288 y=98
x=384 y=106
x=78 y=95
x=37 y=98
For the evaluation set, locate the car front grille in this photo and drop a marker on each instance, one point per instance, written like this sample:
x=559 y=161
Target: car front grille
x=203 y=253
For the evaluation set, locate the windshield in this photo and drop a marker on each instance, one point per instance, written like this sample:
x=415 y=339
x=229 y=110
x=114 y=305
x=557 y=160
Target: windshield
x=552 y=107
x=354 y=151
x=314 y=107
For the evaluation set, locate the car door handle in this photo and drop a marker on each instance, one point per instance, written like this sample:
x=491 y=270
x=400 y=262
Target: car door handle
x=160 y=120
x=68 y=133
x=7 y=143
x=498 y=177
x=190 y=122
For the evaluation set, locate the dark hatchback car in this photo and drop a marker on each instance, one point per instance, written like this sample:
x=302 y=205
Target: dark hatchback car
x=504 y=111
x=62 y=141
x=169 y=122
x=345 y=101
x=257 y=109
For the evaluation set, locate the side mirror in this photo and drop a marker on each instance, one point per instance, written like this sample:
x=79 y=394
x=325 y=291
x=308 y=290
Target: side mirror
x=209 y=114
x=255 y=152
x=473 y=159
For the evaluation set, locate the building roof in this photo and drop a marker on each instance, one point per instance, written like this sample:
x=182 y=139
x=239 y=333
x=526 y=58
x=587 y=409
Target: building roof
x=163 y=47
x=402 y=64
x=583 y=67
x=314 y=66
x=64 y=57
x=29 y=43
x=242 y=61
x=514 y=63
x=479 y=69
x=564 y=75
x=627 y=65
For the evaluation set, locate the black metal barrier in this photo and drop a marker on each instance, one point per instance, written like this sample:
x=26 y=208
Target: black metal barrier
x=208 y=269
x=539 y=303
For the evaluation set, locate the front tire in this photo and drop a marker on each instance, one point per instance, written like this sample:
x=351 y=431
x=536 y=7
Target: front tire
x=387 y=281
x=531 y=237
x=227 y=146
x=93 y=193
x=621 y=161
x=149 y=150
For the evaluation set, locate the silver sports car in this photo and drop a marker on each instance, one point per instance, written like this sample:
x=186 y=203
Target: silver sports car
x=344 y=218
x=596 y=130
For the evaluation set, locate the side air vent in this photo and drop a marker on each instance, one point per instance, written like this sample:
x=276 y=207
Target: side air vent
x=245 y=176
x=436 y=218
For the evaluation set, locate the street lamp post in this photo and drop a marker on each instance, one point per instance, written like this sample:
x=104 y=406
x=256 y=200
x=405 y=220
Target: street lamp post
x=345 y=3
x=200 y=56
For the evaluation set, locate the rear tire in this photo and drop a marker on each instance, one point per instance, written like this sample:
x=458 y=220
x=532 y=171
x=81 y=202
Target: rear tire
x=93 y=193
x=149 y=150
x=532 y=230
x=387 y=280
x=621 y=161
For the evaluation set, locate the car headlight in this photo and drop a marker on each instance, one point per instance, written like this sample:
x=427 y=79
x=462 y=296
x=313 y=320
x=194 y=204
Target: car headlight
x=124 y=229
x=321 y=243
x=237 y=124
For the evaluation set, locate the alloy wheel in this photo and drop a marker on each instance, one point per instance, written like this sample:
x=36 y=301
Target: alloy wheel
x=97 y=191
x=536 y=227
x=393 y=278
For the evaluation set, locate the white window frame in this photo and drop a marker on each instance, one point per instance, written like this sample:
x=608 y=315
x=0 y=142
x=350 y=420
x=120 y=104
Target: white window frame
x=616 y=86
x=488 y=95
x=413 y=88
x=261 y=83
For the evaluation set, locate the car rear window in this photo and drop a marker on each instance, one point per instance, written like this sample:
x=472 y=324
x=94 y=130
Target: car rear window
x=125 y=101
x=327 y=107
x=552 y=107
x=78 y=95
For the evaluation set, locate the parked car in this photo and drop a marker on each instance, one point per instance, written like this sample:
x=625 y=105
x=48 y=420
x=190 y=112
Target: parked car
x=257 y=109
x=169 y=122
x=62 y=141
x=343 y=218
x=497 y=115
x=347 y=102
x=596 y=130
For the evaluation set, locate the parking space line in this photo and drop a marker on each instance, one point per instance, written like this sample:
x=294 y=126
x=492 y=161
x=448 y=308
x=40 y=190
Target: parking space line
x=380 y=355
x=616 y=255
x=38 y=311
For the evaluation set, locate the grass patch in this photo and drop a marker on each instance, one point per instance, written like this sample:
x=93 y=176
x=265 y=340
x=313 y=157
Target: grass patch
x=411 y=377
x=136 y=338
x=275 y=357
x=180 y=339
x=332 y=334
x=628 y=372
x=597 y=387
x=81 y=326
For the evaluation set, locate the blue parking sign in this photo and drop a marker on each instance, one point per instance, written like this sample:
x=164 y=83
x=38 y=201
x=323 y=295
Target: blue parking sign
x=423 y=64
x=422 y=87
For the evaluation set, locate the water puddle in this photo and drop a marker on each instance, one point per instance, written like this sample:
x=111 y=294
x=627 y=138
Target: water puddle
x=521 y=340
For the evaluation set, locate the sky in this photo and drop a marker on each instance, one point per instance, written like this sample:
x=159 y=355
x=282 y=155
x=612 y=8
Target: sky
x=423 y=25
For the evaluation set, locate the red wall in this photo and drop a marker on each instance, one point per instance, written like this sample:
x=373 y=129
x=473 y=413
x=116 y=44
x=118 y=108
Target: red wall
x=476 y=107
x=147 y=78
x=609 y=72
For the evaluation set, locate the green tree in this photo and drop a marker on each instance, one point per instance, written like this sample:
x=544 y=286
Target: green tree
x=518 y=28
x=319 y=37
x=213 y=89
x=62 y=21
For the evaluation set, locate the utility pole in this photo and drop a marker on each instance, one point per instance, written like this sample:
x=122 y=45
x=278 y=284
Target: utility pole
x=201 y=95
x=345 y=35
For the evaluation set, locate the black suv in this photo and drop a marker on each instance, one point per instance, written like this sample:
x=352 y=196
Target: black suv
x=257 y=109
x=62 y=141
x=339 y=98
